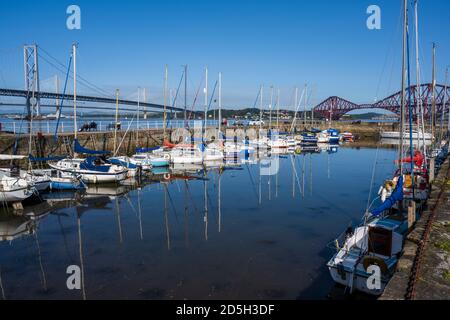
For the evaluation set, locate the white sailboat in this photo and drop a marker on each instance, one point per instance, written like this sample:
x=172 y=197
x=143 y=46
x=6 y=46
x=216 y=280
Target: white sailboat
x=93 y=169
x=186 y=154
x=14 y=189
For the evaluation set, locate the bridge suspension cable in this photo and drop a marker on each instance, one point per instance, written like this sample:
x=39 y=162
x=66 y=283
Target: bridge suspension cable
x=61 y=67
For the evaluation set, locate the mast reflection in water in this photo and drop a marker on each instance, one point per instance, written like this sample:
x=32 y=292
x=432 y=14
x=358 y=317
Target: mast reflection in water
x=220 y=232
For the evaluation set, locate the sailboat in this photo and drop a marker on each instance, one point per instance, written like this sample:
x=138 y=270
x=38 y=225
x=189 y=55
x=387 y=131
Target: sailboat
x=95 y=168
x=148 y=160
x=14 y=189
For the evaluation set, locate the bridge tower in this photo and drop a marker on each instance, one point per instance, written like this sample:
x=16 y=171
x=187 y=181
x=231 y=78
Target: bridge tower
x=31 y=69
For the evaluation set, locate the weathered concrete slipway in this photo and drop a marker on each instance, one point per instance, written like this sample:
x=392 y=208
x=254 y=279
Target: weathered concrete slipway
x=423 y=272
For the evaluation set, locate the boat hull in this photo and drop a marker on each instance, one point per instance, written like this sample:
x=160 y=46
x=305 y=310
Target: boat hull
x=16 y=195
x=359 y=281
x=406 y=135
x=66 y=185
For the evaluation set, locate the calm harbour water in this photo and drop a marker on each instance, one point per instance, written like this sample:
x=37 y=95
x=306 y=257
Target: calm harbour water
x=268 y=240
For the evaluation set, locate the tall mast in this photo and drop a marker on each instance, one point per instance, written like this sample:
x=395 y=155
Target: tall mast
x=304 y=109
x=30 y=141
x=75 y=129
x=402 y=108
x=220 y=104
x=185 y=96
x=260 y=108
x=433 y=95
x=206 y=100
x=445 y=101
x=278 y=109
x=116 y=120
x=295 y=107
x=270 y=108
x=145 y=101
x=57 y=92
x=312 y=110
x=441 y=131
x=138 y=107
x=165 y=103
x=420 y=119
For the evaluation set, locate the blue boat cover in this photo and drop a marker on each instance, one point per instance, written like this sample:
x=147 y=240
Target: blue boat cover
x=33 y=159
x=89 y=164
x=79 y=149
x=145 y=150
x=397 y=195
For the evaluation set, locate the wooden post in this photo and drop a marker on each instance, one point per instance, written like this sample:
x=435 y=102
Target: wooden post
x=432 y=160
x=411 y=214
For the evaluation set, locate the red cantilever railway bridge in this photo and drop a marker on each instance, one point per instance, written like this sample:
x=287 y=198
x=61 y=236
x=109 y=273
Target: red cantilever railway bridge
x=336 y=107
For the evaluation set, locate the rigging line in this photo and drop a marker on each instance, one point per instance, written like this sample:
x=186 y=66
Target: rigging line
x=212 y=96
x=78 y=76
x=92 y=84
x=388 y=90
x=297 y=108
x=172 y=204
x=65 y=240
x=257 y=99
x=41 y=265
x=390 y=47
x=190 y=197
x=126 y=132
x=176 y=96
x=373 y=178
x=195 y=99
x=80 y=80
x=62 y=99
x=251 y=180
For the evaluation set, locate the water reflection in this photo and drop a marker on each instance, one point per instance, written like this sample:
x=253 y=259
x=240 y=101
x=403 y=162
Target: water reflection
x=220 y=231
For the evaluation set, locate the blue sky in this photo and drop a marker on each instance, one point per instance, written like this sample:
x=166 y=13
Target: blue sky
x=323 y=43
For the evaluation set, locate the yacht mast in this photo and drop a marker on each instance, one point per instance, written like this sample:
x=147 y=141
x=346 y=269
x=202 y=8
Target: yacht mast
x=260 y=110
x=116 y=120
x=420 y=118
x=165 y=103
x=137 y=118
x=433 y=96
x=185 y=96
x=75 y=129
x=220 y=104
x=270 y=109
x=304 y=109
x=295 y=108
x=278 y=109
x=206 y=103
x=443 y=105
x=402 y=108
